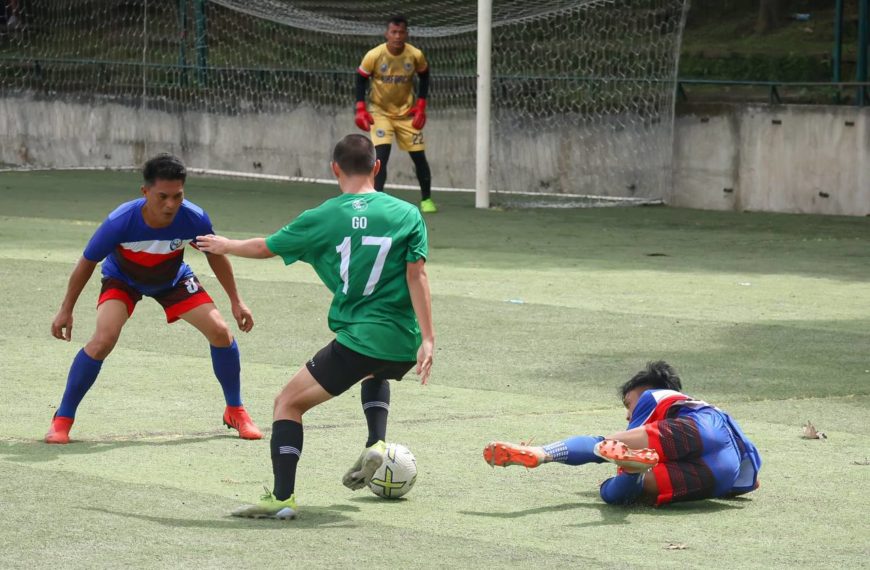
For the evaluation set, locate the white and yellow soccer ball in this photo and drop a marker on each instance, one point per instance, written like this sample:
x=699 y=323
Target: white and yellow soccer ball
x=396 y=475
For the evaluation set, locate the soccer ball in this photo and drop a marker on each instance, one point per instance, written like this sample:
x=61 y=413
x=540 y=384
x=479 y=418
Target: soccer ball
x=396 y=475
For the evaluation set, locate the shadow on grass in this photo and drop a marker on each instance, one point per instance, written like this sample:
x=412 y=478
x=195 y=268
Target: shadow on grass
x=309 y=517
x=618 y=515
x=35 y=451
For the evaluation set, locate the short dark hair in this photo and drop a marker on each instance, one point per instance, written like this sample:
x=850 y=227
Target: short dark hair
x=657 y=375
x=164 y=166
x=398 y=20
x=354 y=154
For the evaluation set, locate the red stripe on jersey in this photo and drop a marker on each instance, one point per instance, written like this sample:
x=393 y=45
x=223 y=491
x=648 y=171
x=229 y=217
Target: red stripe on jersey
x=146 y=259
x=363 y=72
x=662 y=407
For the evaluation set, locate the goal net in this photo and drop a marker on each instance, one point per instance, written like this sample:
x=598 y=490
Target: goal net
x=582 y=90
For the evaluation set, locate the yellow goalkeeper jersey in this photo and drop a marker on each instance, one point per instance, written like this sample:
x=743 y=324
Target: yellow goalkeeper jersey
x=392 y=78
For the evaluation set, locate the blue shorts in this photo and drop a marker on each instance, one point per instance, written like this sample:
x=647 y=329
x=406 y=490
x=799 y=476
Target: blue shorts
x=699 y=456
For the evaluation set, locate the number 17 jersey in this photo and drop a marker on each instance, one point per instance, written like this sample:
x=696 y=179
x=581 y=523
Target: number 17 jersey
x=359 y=245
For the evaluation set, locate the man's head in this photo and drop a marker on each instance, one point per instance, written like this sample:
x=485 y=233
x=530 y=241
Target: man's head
x=354 y=155
x=396 y=34
x=163 y=187
x=657 y=375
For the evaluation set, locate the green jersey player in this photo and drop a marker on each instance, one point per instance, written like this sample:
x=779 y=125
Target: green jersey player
x=369 y=249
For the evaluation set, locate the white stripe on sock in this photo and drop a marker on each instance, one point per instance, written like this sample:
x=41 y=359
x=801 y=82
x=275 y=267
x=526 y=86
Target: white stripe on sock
x=288 y=450
x=383 y=405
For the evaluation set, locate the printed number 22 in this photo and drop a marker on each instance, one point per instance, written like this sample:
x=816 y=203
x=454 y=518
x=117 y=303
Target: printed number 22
x=383 y=243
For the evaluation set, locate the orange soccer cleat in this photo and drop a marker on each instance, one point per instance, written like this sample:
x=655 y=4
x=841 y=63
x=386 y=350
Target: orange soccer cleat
x=632 y=460
x=503 y=454
x=59 y=430
x=237 y=418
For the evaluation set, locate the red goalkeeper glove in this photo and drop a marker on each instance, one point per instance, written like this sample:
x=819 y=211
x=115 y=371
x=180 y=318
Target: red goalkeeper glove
x=363 y=118
x=418 y=111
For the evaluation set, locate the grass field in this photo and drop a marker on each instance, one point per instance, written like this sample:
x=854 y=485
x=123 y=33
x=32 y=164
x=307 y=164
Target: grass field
x=768 y=316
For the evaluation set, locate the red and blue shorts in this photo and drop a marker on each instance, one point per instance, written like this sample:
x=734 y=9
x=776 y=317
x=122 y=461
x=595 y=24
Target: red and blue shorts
x=699 y=457
x=187 y=294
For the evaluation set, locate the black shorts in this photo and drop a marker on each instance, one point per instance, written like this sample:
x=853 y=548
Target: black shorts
x=337 y=368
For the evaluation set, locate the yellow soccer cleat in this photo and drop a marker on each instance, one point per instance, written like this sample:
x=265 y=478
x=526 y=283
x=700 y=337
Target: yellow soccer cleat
x=269 y=508
x=427 y=206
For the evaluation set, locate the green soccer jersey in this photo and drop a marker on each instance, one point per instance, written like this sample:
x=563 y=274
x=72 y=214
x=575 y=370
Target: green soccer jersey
x=359 y=245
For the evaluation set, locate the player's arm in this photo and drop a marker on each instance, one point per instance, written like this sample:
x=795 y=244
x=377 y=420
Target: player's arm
x=362 y=117
x=254 y=248
x=421 y=299
x=223 y=271
x=418 y=111
x=61 y=326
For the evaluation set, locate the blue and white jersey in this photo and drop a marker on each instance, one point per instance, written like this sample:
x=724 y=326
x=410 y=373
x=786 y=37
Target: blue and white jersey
x=148 y=259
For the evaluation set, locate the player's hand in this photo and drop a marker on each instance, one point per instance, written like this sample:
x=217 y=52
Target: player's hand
x=61 y=326
x=244 y=317
x=212 y=244
x=424 y=360
x=363 y=118
x=418 y=111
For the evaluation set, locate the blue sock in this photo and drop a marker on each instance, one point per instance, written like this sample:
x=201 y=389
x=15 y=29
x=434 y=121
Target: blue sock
x=623 y=489
x=576 y=450
x=228 y=369
x=82 y=375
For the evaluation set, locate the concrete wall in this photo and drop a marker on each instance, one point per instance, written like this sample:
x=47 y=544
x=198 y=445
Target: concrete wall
x=767 y=158
x=801 y=159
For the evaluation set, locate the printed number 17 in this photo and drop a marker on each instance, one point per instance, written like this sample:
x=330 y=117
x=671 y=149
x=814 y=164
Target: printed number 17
x=383 y=243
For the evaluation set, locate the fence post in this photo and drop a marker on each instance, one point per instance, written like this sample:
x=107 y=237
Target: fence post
x=182 y=50
x=863 y=29
x=201 y=42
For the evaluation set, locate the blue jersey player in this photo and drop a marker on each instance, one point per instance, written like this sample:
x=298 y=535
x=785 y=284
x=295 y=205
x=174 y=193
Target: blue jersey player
x=676 y=448
x=141 y=245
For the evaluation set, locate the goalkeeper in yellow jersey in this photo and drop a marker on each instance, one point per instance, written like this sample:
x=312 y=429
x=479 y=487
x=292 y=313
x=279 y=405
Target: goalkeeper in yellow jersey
x=394 y=111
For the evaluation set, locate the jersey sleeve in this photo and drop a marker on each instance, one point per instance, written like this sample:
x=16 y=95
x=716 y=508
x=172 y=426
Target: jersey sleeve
x=418 y=241
x=104 y=241
x=293 y=240
x=367 y=66
x=646 y=405
x=204 y=227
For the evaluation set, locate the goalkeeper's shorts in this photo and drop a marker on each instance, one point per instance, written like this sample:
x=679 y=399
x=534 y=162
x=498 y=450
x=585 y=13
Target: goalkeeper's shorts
x=385 y=129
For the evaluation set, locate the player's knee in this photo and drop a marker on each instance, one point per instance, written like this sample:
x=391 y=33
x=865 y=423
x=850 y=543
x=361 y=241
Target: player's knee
x=101 y=345
x=621 y=490
x=220 y=334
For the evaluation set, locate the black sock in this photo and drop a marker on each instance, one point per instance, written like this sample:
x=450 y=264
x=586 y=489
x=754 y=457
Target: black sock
x=424 y=175
x=376 y=406
x=286 y=448
x=382 y=151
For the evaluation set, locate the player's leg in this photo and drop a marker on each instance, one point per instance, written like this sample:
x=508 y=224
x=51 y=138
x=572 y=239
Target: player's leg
x=114 y=307
x=424 y=177
x=382 y=153
x=577 y=450
x=630 y=488
x=375 y=396
x=331 y=372
x=188 y=301
x=382 y=139
x=298 y=396
x=411 y=141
